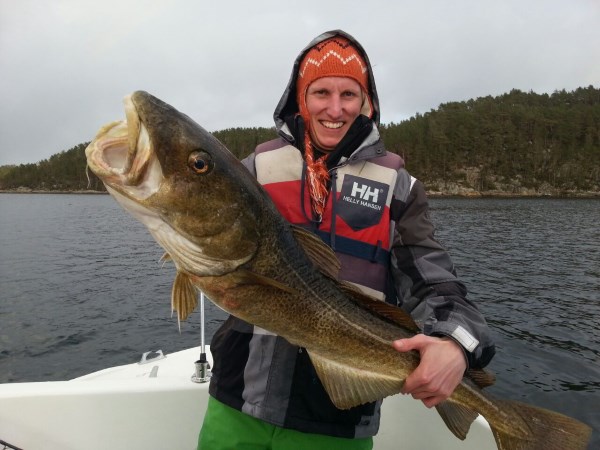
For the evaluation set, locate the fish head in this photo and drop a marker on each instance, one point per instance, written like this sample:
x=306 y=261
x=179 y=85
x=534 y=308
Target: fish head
x=197 y=200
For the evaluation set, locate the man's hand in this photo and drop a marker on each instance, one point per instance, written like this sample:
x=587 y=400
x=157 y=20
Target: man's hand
x=441 y=369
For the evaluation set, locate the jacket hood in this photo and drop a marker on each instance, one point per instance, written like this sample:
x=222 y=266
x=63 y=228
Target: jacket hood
x=288 y=106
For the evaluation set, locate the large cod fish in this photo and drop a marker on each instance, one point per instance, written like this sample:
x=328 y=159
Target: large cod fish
x=227 y=239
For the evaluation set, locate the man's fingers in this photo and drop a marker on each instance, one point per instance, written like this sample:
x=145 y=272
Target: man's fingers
x=414 y=343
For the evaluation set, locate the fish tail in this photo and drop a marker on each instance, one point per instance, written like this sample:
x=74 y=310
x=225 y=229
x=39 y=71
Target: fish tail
x=539 y=429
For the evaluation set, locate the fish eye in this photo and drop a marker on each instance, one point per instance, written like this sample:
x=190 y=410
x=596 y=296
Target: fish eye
x=200 y=162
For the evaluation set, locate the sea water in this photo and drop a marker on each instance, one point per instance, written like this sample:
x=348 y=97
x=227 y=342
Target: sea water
x=82 y=288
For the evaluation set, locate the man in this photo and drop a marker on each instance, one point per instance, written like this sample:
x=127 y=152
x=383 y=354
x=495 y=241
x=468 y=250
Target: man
x=330 y=173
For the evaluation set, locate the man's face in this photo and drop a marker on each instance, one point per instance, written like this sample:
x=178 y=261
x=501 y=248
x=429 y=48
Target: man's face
x=333 y=104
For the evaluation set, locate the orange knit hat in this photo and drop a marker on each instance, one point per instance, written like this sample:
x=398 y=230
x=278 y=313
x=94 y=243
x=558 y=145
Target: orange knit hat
x=334 y=57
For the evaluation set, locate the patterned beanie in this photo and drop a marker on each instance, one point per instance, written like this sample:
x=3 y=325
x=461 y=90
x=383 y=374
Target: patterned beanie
x=334 y=57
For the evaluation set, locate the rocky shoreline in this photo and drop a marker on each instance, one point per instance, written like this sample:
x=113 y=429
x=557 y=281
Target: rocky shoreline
x=511 y=189
x=525 y=193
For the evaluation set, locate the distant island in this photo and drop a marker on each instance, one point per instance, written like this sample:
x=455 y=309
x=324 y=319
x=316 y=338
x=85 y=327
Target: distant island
x=515 y=144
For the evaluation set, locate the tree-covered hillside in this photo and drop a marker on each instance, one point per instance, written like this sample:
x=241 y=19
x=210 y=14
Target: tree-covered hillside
x=516 y=139
x=64 y=171
x=516 y=143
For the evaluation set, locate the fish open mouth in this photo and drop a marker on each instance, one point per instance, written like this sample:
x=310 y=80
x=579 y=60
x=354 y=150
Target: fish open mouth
x=122 y=156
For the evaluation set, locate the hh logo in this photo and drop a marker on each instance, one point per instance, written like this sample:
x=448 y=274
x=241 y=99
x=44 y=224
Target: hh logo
x=365 y=192
x=362 y=201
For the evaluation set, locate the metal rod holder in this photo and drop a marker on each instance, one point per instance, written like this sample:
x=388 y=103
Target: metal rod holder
x=202 y=374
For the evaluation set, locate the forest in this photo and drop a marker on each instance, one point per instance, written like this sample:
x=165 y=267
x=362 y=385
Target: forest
x=518 y=143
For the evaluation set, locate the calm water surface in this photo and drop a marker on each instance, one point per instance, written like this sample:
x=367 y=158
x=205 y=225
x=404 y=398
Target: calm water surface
x=82 y=288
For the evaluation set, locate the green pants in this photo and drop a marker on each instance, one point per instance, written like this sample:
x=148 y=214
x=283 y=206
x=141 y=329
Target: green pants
x=225 y=428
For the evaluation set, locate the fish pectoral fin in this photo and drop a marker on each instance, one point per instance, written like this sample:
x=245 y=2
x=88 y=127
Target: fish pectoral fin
x=184 y=296
x=457 y=418
x=247 y=277
x=320 y=254
x=351 y=386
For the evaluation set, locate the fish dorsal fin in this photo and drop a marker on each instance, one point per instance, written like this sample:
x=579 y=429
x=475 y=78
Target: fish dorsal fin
x=352 y=386
x=325 y=259
x=322 y=256
x=383 y=309
x=184 y=296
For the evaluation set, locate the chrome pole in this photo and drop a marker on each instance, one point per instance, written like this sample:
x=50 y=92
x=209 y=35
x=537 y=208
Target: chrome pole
x=202 y=367
x=202 y=349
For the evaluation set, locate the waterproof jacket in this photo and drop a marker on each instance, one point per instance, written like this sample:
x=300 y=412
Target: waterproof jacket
x=376 y=220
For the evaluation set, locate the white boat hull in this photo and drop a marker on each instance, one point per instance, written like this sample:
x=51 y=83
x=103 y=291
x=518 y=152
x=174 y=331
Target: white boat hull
x=156 y=405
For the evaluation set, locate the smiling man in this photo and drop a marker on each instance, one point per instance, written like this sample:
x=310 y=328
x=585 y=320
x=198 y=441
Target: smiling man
x=330 y=173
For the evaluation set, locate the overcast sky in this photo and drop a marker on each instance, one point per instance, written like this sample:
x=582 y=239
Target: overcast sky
x=65 y=65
